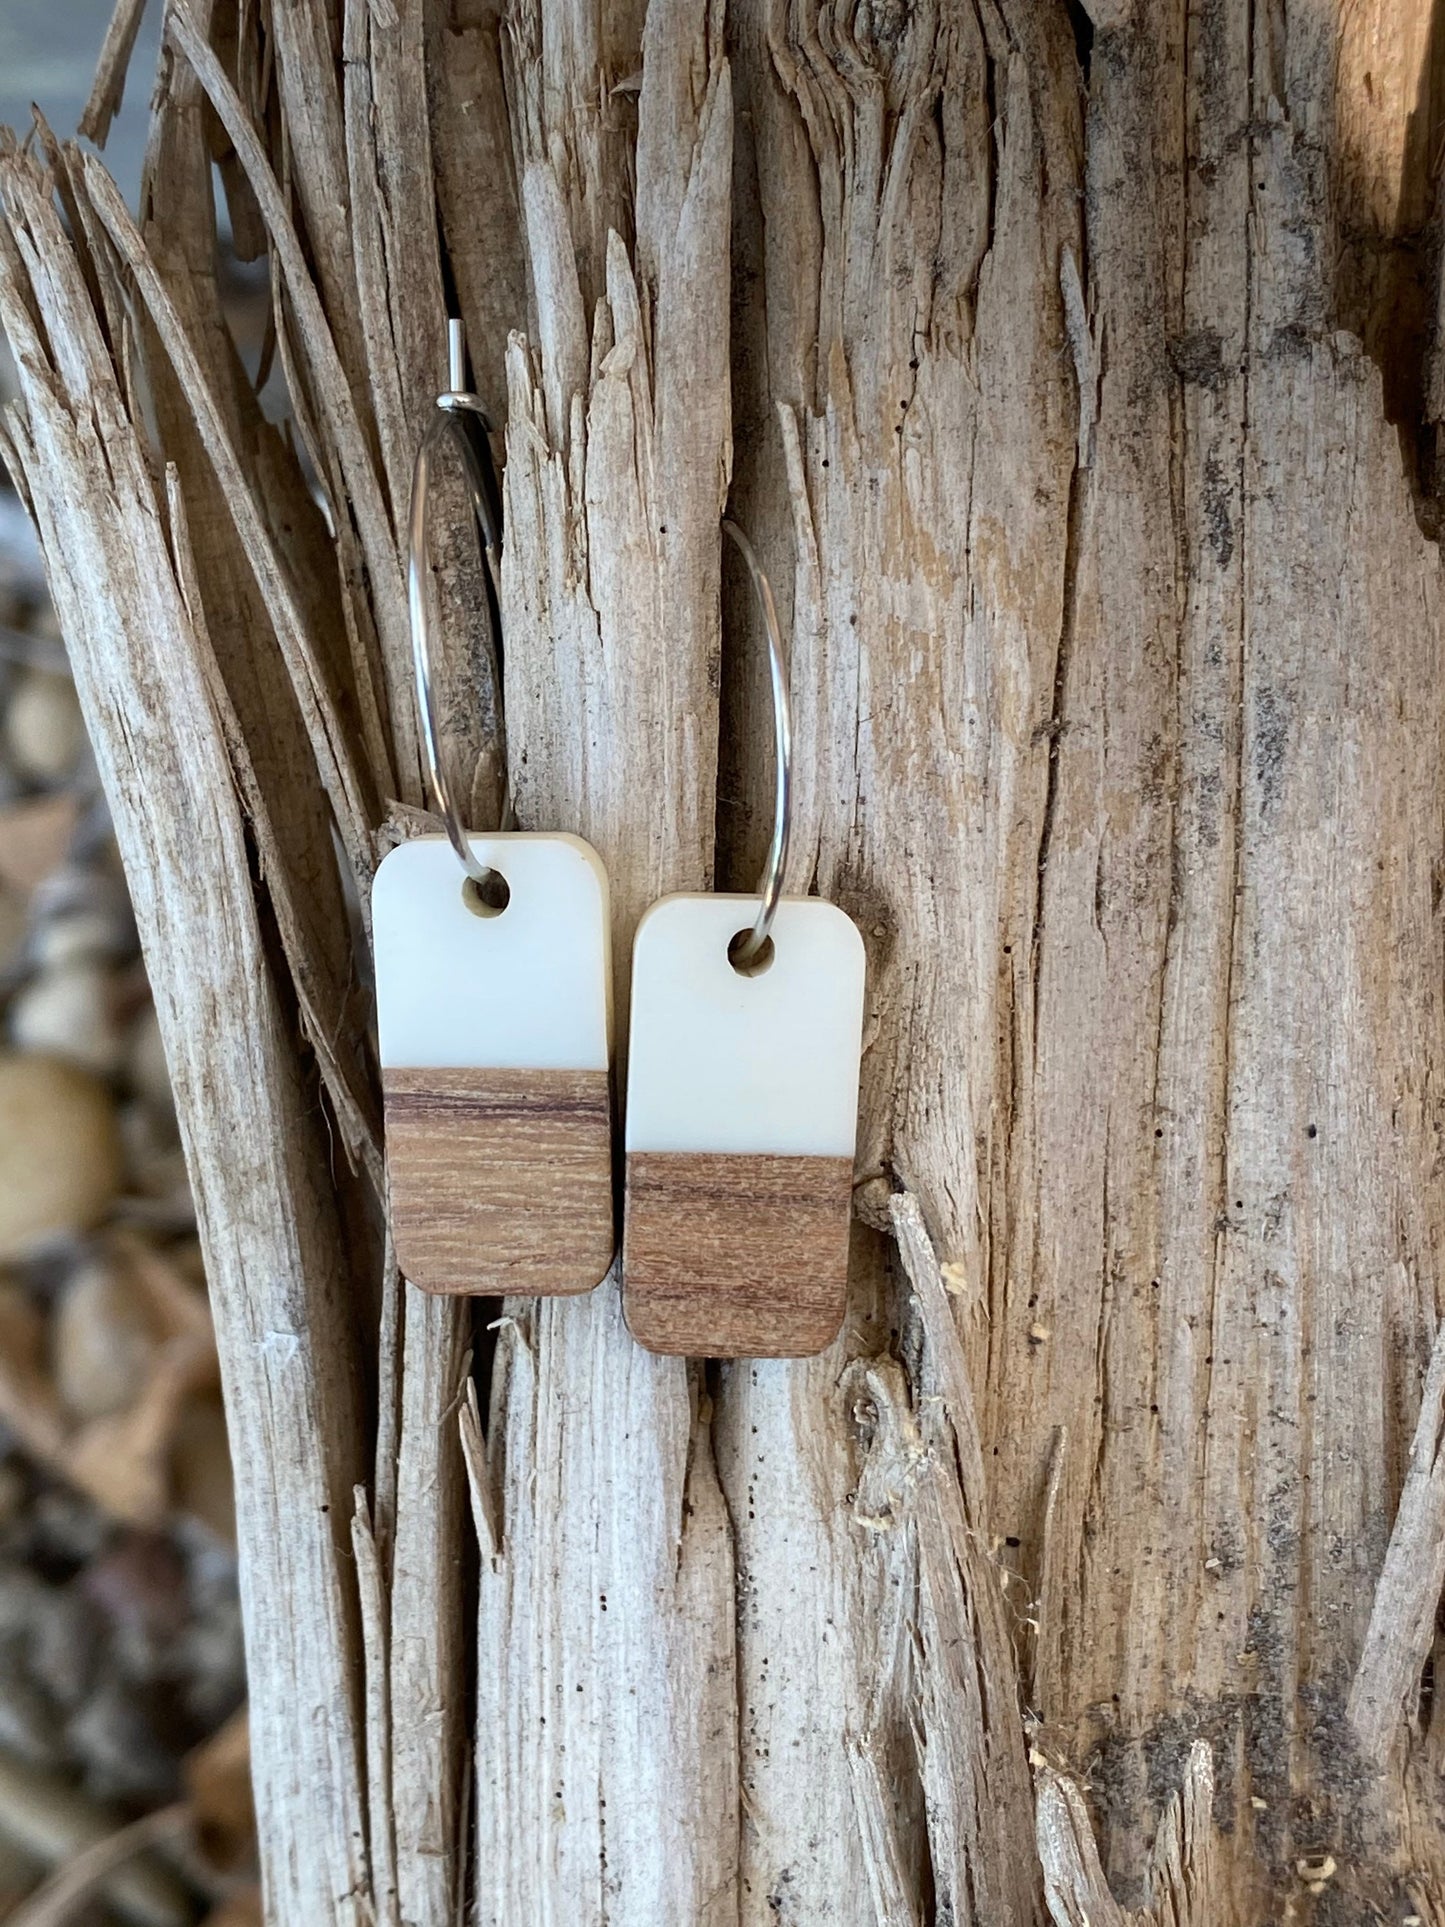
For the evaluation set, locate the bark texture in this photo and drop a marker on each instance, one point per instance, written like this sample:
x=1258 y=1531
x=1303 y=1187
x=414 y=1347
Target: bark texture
x=1075 y=371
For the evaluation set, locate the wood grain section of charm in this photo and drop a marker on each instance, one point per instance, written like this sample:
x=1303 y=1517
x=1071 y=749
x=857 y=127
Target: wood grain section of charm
x=500 y=1181
x=729 y=1255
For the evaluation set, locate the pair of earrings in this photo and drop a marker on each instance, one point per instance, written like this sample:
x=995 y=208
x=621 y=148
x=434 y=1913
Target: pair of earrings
x=495 y=1021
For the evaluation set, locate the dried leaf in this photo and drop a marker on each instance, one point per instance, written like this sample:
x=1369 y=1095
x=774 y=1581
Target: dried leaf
x=218 y=1780
x=240 y=1910
x=28 y=1402
x=35 y=837
x=62 y=1828
x=123 y=1460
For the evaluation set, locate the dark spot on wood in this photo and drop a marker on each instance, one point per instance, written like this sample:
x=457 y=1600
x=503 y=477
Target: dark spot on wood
x=1271 y=733
x=1197 y=358
x=1218 y=493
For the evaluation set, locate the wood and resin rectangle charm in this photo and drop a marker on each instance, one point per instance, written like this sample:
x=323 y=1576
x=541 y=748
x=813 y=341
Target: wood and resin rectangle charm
x=495 y=1027
x=742 y=1102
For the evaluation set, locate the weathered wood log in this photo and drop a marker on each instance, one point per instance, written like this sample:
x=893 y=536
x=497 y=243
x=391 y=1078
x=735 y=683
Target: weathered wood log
x=1075 y=373
x=126 y=590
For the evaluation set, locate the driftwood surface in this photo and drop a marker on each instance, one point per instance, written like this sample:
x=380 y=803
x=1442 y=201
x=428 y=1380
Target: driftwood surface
x=1074 y=370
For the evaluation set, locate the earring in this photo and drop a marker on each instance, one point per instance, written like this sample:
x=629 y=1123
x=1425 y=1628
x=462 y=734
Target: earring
x=494 y=1003
x=742 y=1099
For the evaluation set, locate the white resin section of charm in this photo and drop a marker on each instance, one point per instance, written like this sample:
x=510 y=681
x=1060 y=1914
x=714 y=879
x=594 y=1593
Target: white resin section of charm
x=727 y=1063
x=527 y=989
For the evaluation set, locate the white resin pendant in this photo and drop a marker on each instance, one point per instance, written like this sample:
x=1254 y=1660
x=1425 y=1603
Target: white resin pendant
x=742 y=1101
x=495 y=1031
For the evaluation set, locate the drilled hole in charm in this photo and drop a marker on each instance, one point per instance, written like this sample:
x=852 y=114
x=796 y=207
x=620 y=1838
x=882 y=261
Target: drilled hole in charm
x=752 y=966
x=488 y=898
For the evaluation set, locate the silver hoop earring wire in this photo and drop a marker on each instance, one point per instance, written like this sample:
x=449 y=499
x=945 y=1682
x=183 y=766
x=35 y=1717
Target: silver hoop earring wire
x=770 y=884
x=461 y=421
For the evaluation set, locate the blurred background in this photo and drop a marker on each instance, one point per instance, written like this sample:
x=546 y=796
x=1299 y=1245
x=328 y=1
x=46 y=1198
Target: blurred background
x=123 y=1782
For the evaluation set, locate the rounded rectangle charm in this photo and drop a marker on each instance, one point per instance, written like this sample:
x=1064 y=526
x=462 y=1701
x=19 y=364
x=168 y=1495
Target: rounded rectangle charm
x=742 y=1102
x=495 y=1031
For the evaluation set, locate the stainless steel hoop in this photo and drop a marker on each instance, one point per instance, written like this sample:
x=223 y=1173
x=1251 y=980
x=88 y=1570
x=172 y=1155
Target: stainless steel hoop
x=461 y=420
x=770 y=885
